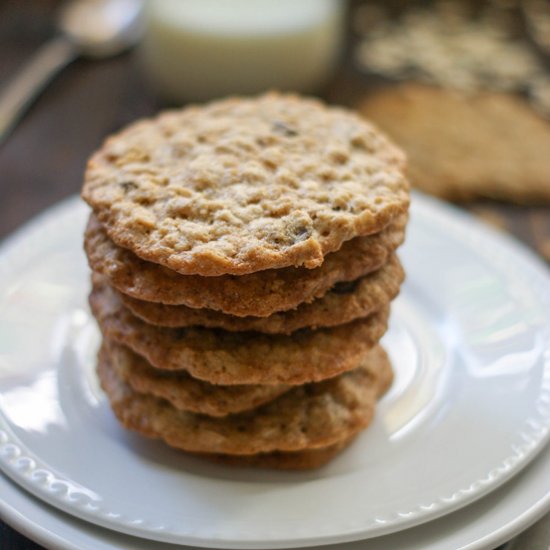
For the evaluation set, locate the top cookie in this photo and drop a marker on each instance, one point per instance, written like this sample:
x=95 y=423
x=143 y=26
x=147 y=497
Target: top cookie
x=242 y=185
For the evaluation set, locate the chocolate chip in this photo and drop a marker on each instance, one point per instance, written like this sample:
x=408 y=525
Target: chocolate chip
x=128 y=186
x=281 y=128
x=344 y=288
x=301 y=233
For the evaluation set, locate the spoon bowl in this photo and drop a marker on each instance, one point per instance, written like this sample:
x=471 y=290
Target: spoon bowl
x=101 y=28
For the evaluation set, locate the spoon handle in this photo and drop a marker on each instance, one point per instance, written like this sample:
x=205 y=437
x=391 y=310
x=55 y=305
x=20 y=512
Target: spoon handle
x=31 y=79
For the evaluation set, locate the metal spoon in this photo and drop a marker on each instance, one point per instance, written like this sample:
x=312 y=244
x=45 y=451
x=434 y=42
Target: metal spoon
x=91 y=28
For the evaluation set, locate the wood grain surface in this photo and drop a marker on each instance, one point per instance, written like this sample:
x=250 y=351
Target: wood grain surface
x=43 y=160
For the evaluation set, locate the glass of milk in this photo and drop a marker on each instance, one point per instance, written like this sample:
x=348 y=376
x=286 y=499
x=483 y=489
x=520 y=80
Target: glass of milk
x=196 y=50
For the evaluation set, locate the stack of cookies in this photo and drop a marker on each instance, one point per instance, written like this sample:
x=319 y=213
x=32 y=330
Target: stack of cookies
x=243 y=268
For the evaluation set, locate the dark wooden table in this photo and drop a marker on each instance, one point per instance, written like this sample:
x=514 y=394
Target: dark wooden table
x=43 y=160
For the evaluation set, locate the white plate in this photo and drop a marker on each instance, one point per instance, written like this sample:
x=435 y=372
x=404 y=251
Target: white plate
x=470 y=406
x=483 y=525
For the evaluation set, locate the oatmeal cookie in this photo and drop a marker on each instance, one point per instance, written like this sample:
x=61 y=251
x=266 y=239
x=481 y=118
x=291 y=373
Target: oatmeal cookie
x=462 y=147
x=297 y=460
x=183 y=391
x=343 y=304
x=257 y=294
x=222 y=357
x=307 y=417
x=245 y=184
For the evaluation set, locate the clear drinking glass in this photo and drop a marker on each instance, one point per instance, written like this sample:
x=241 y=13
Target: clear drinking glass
x=197 y=50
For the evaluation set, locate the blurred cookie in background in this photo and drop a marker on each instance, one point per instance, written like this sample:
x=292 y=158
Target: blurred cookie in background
x=463 y=146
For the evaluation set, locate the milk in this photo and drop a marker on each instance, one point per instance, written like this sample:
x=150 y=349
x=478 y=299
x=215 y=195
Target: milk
x=196 y=50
